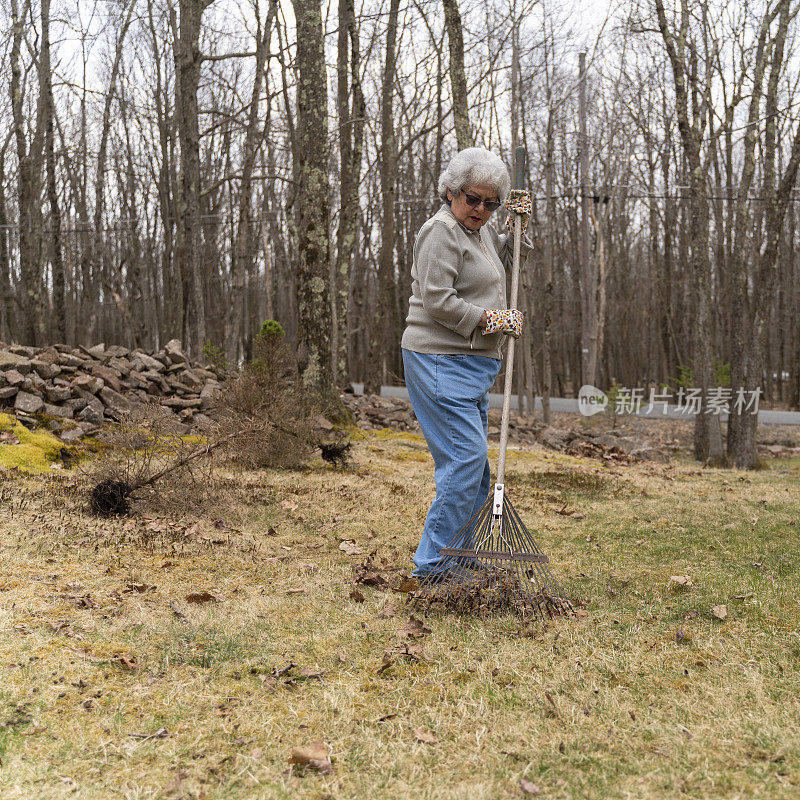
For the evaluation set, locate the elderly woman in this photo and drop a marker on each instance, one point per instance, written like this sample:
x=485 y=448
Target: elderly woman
x=451 y=345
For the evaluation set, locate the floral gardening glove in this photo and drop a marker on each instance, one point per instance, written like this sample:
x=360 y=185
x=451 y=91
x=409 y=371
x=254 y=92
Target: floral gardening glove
x=504 y=320
x=518 y=202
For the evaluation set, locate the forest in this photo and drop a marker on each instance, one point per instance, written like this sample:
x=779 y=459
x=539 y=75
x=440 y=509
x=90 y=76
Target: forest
x=191 y=168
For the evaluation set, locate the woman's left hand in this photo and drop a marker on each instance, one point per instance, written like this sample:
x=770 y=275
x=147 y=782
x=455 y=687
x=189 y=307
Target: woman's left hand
x=518 y=202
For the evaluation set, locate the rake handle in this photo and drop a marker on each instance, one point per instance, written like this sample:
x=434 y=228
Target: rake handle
x=519 y=181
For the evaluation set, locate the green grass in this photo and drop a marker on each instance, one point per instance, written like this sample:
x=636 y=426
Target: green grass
x=648 y=696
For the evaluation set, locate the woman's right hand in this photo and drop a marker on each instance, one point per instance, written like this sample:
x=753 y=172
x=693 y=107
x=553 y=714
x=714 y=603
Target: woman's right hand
x=504 y=320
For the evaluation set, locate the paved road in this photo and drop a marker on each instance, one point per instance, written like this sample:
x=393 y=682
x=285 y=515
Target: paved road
x=569 y=405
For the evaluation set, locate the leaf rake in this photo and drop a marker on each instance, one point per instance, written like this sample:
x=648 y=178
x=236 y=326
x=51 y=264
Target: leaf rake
x=493 y=563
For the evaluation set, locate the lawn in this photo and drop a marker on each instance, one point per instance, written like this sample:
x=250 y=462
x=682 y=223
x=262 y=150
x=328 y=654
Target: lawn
x=114 y=685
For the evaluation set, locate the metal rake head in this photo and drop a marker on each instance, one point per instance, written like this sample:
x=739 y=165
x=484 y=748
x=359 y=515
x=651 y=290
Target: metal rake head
x=493 y=565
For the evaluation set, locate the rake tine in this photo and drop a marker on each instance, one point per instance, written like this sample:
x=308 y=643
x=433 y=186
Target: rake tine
x=502 y=571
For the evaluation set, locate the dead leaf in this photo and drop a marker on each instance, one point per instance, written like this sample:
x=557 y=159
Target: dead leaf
x=367 y=574
x=176 y=784
x=138 y=587
x=577 y=515
x=413 y=629
x=350 y=548
x=313 y=756
x=128 y=661
x=386 y=718
x=296 y=591
x=388 y=611
x=84 y=601
x=720 y=612
x=289 y=505
x=413 y=652
x=386 y=662
x=279 y=672
x=370 y=578
x=528 y=787
x=407 y=585
x=196 y=531
x=307 y=569
x=426 y=737
x=311 y=672
x=680 y=581
x=356 y=596
x=201 y=597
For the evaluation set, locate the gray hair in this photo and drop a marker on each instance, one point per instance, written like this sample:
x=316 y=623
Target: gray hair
x=475 y=165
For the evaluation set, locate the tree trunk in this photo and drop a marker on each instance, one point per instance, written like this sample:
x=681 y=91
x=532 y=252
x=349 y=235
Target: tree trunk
x=28 y=188
x=740 y=441
x=707 y=439
x=244 y=243
x=458 y=79
x=549 y=250
x=190 y=251
x=381 y=324
x=56 y=260
x=7 y=320
x=311 y=203
x=589 y=341
x=351 y=131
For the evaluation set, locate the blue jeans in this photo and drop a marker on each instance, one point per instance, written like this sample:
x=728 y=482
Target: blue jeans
x=450 y=395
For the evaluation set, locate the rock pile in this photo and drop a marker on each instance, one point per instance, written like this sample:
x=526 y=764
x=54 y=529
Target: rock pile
x=77 y=389
x=374 y=412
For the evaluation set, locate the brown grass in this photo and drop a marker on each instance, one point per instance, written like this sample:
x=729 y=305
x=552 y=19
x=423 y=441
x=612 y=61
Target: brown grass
x=648 y=696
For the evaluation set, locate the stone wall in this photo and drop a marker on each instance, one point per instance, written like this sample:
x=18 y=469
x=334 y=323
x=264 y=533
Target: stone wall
x=80 y=388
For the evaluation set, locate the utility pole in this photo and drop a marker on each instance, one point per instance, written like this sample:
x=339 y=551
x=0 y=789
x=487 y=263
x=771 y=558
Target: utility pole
x=588 y=288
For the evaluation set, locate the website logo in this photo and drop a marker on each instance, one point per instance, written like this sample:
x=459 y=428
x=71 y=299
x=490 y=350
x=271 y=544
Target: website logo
x=591 y=400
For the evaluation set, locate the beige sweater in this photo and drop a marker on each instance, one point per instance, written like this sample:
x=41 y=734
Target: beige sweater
x=456 y=275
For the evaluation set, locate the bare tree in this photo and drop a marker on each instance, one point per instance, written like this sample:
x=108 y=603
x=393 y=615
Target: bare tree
x=352 y=114
x=311 y=204
x=388 y=169
x=691 y=122
x=458 y=80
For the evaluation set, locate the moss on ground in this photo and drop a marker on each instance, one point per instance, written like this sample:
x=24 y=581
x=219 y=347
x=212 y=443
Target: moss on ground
x=37 y=450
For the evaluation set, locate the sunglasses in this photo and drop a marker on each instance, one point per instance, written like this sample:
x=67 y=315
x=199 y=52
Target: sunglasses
x=473 y=201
